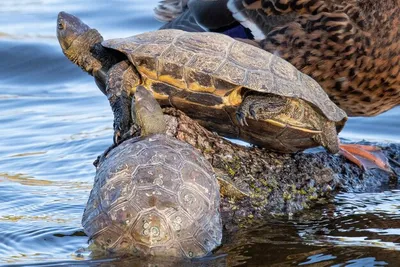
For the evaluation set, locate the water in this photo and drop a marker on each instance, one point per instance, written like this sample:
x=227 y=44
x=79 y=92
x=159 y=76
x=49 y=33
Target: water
x=54 y=122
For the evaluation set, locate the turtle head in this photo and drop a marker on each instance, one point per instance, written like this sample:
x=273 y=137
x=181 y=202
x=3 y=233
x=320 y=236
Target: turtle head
x=147 y=113
x=69 y=28
x=77 y=41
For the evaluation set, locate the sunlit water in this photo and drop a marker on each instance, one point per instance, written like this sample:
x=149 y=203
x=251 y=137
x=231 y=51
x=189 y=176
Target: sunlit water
x=54 y=122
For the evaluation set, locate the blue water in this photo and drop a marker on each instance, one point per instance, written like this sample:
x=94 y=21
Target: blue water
x=55 y=122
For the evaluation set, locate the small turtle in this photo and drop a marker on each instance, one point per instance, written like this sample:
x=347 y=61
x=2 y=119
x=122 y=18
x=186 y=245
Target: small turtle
x=154 y=194
x=230 y=87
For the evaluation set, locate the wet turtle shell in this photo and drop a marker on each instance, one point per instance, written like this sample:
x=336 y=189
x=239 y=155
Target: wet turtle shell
x=155 y=195
x=207 y=75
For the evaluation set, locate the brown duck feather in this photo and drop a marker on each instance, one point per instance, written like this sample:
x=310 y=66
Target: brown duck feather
x=352 y=48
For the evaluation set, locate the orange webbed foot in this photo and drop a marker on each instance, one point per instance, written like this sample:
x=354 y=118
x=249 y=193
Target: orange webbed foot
x=364 y=156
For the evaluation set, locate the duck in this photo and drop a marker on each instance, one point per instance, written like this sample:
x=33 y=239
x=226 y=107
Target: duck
x=350 y=47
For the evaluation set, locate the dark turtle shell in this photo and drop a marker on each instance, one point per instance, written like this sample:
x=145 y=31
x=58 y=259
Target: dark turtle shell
x=207 y=75
x=158 y=196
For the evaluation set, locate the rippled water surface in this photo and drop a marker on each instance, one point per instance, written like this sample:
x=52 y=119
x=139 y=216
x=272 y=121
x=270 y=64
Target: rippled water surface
x=54 y=122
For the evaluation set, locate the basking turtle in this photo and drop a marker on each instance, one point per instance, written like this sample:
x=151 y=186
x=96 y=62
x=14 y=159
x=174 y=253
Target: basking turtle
x=230 y=87
x=154 y=194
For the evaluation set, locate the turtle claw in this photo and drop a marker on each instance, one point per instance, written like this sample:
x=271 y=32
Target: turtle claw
x=244 y=112
x=241 y=118
x=253 y=113
x=120 y=135
x=122 y=121
x=117 y=137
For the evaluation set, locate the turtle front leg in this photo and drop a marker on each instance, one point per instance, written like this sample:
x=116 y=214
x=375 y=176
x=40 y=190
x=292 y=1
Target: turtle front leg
x=260 y=106
x=121 y=79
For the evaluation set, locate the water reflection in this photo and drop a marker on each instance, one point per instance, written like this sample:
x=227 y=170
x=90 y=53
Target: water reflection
x=54 y=122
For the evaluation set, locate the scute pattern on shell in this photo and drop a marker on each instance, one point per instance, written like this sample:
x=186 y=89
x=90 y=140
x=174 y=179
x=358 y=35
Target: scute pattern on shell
x=238 y=63
x=157 y=195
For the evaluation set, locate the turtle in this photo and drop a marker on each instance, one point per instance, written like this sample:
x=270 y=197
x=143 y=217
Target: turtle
x=230 y=87
x=153 y=194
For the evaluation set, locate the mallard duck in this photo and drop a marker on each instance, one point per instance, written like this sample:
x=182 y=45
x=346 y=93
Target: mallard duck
x=350 y=47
